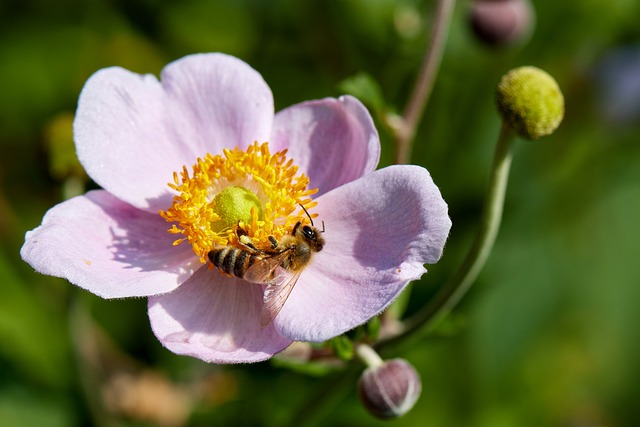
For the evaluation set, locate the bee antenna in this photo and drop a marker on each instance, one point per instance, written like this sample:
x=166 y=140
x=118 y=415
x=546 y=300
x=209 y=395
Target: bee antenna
x=310 y=219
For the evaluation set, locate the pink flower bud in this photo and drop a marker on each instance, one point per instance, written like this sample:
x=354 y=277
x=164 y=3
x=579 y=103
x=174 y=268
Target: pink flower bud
x=391 y=389
x=501 y=22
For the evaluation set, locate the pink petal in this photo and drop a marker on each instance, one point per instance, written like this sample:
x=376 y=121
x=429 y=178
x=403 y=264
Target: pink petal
x=380 y=230
x=132 y=132
x=333 y=141
x=216 y=319
x=108 y=247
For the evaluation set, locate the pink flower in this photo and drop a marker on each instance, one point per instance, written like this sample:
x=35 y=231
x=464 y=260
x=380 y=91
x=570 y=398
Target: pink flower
x=133 y=132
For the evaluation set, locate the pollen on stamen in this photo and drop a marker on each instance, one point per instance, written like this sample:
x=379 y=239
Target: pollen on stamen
x=263 y=193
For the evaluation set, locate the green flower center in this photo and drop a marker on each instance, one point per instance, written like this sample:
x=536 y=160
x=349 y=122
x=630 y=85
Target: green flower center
x=234 y=205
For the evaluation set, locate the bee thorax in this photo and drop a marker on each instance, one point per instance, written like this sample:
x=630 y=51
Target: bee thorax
x=299 y=258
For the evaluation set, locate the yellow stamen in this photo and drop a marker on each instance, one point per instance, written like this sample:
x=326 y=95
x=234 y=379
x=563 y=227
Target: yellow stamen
x=253 y=189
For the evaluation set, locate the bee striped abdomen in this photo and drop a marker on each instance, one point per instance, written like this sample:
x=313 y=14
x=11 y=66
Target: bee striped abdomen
x=233 y=261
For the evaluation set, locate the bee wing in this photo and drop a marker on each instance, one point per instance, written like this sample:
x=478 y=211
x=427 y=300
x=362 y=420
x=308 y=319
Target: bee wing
x=262 y=270
x=275 y=295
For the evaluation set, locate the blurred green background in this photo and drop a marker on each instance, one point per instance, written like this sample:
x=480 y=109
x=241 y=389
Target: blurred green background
x=549 y=334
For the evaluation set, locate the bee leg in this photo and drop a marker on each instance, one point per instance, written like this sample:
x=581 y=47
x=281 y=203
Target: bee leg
x=245 y=240
x=241 y=231
x=274 y=242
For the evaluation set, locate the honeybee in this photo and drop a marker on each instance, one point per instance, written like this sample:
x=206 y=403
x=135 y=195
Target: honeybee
x=292 y=254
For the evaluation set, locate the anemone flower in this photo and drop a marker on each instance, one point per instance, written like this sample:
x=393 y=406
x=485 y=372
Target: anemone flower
x=198 y=161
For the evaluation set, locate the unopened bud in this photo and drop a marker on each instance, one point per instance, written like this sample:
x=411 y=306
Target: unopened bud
x=391 y=389
x=501 y=22
x=530 y=102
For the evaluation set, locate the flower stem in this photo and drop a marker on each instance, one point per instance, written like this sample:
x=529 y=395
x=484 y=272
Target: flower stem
x=451 y=293
x=368 y=355
x=406 y=126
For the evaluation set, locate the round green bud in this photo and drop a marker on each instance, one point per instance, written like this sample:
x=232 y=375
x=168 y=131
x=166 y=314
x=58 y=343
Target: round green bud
x=530 y=102
x=234 y=204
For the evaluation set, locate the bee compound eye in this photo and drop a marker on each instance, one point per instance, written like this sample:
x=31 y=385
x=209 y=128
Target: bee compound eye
x=308 y=231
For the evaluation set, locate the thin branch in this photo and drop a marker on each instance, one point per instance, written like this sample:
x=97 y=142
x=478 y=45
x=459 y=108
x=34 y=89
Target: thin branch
x=407 y=125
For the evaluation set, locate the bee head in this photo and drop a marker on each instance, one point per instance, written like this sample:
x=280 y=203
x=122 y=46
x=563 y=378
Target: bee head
x=309 y=233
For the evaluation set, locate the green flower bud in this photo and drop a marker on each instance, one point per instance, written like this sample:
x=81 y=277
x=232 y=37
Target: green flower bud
x=390 y=389
x=530 y=102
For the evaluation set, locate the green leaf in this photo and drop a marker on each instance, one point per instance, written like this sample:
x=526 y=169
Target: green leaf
x=373 y=328
x=343 y=347
x=366 y=89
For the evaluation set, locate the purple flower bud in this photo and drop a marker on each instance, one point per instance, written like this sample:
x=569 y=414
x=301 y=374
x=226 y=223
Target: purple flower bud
x=391 y=389
x=501 y=22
